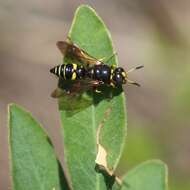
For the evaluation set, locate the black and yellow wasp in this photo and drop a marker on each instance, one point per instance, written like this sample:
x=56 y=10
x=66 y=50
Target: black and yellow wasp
x=86 y=72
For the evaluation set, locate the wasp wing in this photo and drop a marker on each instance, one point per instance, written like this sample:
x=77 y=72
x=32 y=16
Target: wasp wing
x=74 y=87
x=71 y=50
x=71 y=94
x=63 y=46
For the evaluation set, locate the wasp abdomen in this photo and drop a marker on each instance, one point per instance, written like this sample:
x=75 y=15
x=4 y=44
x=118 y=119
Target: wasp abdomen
x=57 y=70
x=70 y=71
x=81 y=72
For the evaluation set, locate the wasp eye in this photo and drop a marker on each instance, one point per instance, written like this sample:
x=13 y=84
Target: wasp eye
x=119 y=70
x=118 y=79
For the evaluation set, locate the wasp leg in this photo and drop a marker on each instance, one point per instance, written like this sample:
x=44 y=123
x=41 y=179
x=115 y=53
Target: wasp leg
x=102 y=59
x=109 y=58
x=110 y=96
x=98 y=91
x=133 y=83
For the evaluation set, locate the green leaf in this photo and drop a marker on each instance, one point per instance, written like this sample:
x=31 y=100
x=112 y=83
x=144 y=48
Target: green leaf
x=79 y=129
x=33 y=161
x=151 y=175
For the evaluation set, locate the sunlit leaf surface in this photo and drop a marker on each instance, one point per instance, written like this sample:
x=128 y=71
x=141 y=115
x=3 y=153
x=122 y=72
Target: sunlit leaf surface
x=32 y=159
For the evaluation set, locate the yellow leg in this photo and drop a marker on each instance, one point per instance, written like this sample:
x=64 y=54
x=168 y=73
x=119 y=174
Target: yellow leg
x=102 y=59
x=107 y=58
x=98 y=91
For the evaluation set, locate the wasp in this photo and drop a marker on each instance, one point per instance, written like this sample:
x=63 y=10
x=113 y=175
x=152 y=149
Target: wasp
x=87 y=72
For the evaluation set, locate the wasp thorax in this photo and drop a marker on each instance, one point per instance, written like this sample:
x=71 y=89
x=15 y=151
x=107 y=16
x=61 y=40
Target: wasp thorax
x=106 y=73
x=102 y=72
x=119 y=76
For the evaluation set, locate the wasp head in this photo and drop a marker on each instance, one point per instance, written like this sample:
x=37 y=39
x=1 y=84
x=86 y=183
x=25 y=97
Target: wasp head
x=119 y=76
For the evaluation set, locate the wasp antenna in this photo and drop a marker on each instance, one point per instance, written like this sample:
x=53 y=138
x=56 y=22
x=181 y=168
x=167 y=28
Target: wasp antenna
x=139 y=67
x=135 y=68
x=133 y=83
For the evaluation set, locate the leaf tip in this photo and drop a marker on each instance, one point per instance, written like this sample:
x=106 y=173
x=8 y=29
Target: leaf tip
x=13 y=107
x=159 y=163
x=84 y=6
x=163 y=168
x=10 y=108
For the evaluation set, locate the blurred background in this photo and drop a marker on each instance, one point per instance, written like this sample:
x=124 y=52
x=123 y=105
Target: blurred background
x=154 y=33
